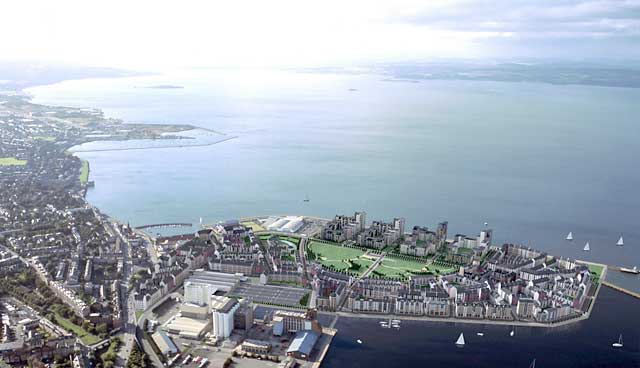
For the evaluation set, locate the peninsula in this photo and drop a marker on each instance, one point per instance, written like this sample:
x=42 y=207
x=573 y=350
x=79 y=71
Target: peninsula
x=79 y=285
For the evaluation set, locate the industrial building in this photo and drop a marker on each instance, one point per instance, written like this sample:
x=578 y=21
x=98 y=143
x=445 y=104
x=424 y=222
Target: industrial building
x=256 y=346
x=214 y=281
x=303 y=344
x=292 y=322
x=223 y=309
x=164 y=343
x=189 y=328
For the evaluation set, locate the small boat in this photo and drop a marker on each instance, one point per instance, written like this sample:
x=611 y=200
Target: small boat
x=460 y=341
x=533 y=364
x=633 y=270
x=359 y=341
x=306 y=198
x=618 y=344
x=570 y=236
x=512 y=333
x=395 y=321
x=586 y=247
x=480 y=334
x=620 y=241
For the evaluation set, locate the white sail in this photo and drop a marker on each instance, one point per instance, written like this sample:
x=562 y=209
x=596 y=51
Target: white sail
x=619 y=343
x=533 y=364
x=620 y=242
x=513 y=332
x=586 y=247
x=570 y=236
x=460 y=340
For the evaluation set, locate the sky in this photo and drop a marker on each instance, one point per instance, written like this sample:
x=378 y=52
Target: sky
x=160 y=34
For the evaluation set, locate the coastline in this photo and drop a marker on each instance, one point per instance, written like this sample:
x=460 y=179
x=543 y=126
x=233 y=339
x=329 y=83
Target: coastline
x=349 y=314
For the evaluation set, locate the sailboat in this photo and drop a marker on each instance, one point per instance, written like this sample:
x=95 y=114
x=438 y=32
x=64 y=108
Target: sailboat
x=533 y=364
x=306 y=198
x=460 y=341
x=570 y=236
x=586 y=247
x=620 y=241
x=513 y=332
x=619 y=343
x=359 y=341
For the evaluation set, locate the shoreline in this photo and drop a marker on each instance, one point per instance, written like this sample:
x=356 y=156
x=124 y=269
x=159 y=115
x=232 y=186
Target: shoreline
x=362 y=315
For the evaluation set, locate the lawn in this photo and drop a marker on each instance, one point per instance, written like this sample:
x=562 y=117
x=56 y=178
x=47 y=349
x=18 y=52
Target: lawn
x=12 y=161
x=290 y=239
x=254 y=226
x=441 y=269
x=84 y=172
x=341 y=258
x=86 y=337
x=596 y=269
x=334 y=252
x=394 y=267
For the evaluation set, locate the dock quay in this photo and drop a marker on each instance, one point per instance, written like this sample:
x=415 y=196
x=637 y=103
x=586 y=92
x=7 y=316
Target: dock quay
x=323 y=345
x=622 y=290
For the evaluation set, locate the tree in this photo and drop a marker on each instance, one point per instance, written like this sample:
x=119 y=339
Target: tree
x=101 y=329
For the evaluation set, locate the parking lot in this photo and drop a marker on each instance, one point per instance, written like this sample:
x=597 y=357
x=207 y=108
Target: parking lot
x=279 y=295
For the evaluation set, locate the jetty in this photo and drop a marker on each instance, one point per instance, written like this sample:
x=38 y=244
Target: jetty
x=174 y=224
x=622 y=290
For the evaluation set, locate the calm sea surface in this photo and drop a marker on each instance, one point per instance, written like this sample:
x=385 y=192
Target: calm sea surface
x=535 y=161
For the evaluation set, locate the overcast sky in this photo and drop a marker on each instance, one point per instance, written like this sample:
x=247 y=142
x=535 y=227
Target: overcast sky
x=157 y=34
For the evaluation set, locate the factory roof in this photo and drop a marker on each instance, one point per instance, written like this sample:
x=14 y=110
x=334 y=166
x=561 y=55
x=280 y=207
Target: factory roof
x=304 y=342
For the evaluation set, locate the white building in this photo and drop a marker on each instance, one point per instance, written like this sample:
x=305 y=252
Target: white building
x=223 y=309
x=198 y=293
x=289 y=224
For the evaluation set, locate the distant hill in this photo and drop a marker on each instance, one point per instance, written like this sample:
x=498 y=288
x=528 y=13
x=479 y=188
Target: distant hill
x=553 y=72
x=19 y=75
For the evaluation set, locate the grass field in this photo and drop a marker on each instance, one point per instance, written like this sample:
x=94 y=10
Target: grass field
x=398 y=267
x=595 y=269
x=86 y=337
x=254 y=226
x=442 y=269
x=341 y=258
x=84 y=172
x=11 y=161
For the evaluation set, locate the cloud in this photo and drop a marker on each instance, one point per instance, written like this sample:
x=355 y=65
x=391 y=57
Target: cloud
x=526 y=18
x=148 y=34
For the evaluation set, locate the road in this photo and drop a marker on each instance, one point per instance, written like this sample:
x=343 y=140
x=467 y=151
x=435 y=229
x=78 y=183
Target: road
x=355 y=281
x=128 y=332
x=155 y=360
